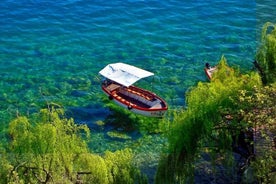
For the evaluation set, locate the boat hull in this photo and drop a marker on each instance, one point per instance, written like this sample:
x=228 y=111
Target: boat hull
x=149 y=113
x=136 y=100
x=209 y=72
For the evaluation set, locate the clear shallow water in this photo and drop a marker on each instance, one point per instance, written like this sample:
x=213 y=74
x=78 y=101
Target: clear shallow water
x=52 y=51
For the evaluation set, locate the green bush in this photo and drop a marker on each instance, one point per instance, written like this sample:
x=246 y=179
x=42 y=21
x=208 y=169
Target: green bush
x=258 y=110
x=203 y=123
x=266 y=55
x=49 y=148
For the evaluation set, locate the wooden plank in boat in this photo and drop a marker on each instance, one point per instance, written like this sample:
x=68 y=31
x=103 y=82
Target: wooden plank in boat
x=112 y=87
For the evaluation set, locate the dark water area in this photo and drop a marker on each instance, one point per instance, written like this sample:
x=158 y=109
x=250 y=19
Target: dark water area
x=51 y=52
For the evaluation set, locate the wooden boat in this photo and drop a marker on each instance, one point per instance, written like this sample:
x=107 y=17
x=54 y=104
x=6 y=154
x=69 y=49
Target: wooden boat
x=118 y=85
x=209 y=70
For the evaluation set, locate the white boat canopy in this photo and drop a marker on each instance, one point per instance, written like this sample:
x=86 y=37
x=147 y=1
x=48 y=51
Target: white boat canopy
x=124 y=74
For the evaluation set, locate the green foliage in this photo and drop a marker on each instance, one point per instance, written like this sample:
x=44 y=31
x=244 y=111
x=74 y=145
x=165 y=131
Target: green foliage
x=203 y=122
x=258 y=110
x=45 y=151
x=93 y=168
x=266 y=55
x=120 y=168
x=216 y=115
x=49 y=148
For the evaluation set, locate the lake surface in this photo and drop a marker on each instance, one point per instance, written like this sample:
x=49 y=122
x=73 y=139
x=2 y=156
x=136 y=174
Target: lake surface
x=51 y=52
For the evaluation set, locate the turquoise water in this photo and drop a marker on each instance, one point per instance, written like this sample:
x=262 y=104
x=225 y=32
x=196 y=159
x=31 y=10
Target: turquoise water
x=51 y=52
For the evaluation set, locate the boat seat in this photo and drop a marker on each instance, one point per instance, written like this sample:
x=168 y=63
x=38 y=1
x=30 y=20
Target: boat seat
x=113 y=87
